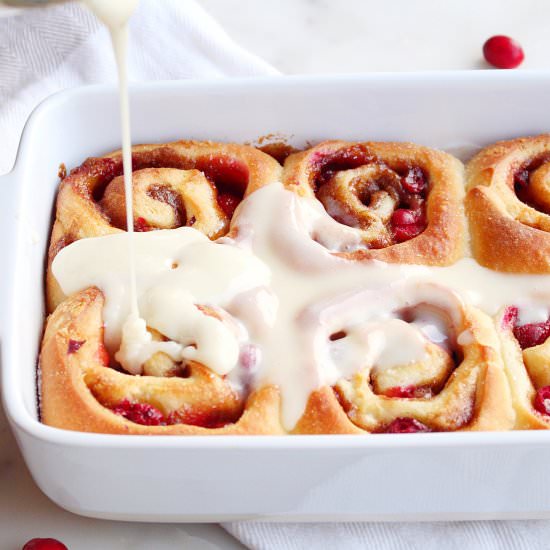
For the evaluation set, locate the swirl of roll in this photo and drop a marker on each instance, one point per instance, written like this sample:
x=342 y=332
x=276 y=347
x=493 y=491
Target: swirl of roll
x=427 y=363
x=526 y=355
x=404 y=200
x=80 y=390
x=508 y=205
x=185 y=183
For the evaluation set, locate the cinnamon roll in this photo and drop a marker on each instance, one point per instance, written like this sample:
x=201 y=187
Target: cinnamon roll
x=404 y=200
x=508 y=205
x=82 y=391
x=185 y=183
x=430 y=364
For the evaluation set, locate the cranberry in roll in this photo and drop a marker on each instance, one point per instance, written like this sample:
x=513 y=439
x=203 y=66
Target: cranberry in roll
x=414 y=359
x=185 y=183
x=403 y=200
x=526 y=354
x=508 y=205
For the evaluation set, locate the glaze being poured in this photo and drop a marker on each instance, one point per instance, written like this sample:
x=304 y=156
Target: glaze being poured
x=115 y=15
x=310 y=317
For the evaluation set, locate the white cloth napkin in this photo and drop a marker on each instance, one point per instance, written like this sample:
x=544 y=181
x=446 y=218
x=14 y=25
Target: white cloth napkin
x=44 y=51
x=468 y=535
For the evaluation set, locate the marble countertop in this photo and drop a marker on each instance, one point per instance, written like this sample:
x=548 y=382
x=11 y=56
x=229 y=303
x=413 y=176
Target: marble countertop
x=296 y=36
x=350 y=36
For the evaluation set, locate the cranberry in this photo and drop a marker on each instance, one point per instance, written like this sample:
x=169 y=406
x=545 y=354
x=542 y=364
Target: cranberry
x=542 y=400
x=140 y=413
x=74 y=346
x=211 y=419
x=521 y=179
x=403 y=233
x=141 y=225
x=510 y=317
x=407 y=223
x=225 y=172
x=533 y=334
x=414 y=181
x=401 y=391
x=406 y=426
x=44 y=544
x=228 y=203
x=503 y=52
x=402 y=216
x=103 y=355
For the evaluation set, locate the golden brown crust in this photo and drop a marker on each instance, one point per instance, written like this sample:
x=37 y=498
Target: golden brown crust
x=179 y=183
x=324 y=415
x=443 y=240
x=508 y=234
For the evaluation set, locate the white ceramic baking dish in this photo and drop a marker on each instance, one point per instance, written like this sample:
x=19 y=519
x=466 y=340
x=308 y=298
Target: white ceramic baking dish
x=415 y=476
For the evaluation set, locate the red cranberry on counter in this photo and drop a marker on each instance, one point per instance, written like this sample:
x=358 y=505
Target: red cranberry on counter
x=44 y=544
x=503 y=52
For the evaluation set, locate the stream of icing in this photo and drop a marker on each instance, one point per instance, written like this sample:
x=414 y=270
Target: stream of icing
x=281 y=296
x=116 y=15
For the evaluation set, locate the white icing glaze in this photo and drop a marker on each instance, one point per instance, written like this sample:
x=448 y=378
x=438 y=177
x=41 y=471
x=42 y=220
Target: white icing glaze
x=176 y=269
x=298 y=223
x=283 y=294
